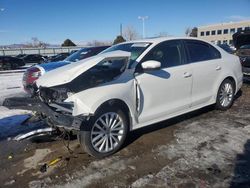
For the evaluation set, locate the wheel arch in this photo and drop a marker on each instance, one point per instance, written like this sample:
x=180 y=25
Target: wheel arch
x=120 y=103
x=233 y=80
x=228 y=76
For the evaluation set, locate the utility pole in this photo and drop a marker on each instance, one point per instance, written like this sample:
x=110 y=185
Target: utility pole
x=143 y=18
x=121 y=29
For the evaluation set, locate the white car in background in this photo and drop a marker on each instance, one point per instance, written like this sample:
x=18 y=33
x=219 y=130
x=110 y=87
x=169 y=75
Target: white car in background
x=135 y=84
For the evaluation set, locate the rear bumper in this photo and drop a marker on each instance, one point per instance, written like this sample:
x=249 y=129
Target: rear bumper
x=57 y=119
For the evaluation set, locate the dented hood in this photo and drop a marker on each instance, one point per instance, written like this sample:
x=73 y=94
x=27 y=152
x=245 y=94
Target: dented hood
x=67 y=73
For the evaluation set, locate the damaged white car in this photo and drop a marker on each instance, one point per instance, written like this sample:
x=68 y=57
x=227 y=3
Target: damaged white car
x=135 y=84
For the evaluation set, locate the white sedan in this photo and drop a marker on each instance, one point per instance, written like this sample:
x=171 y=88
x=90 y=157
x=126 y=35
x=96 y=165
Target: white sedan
x=135 y=84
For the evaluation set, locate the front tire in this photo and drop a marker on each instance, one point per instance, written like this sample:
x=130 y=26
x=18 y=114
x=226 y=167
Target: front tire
x=225 y=95
x=105 y=132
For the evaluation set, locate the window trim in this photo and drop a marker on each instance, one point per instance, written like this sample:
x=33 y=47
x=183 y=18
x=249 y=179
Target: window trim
x=201 y=42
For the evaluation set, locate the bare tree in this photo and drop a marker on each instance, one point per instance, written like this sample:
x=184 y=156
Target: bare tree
x=35 y=42
x=188 y=31
x=129 y=33
x=194 y=32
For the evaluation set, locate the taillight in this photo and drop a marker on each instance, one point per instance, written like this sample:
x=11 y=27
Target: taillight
x=31 y=75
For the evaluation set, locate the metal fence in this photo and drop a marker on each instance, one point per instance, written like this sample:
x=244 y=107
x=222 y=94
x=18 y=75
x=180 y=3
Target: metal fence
x=42 y=51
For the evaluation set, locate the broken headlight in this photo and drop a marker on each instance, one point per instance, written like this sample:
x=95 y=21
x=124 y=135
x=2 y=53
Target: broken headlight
x=50 y=95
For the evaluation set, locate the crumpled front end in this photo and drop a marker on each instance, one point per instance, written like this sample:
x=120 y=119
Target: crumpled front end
x=64 y=91
x=58 y=112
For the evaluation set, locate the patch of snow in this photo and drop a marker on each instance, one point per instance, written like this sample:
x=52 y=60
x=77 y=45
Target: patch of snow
x=200 y=146
x=33 y=161
x=97 y=170
x=11 y=86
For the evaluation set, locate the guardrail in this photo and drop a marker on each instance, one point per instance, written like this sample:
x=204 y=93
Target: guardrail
x=42 y=51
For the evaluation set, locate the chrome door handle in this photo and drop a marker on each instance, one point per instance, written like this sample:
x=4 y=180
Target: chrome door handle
x=187 y=75
x=218 y=68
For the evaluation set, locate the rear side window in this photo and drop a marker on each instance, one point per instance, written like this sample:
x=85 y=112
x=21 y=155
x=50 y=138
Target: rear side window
x=201 y=51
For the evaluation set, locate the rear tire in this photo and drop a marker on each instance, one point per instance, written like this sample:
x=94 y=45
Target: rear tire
x=105 y=132
x=225 y=95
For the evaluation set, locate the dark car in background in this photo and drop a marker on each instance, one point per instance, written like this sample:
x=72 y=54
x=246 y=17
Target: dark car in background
x=58 y=57
x=34 y=72
x=20 y=55
x=242 y=43
x=33 y=59
x=227 y=48
x=9 y=62
x=244 y=53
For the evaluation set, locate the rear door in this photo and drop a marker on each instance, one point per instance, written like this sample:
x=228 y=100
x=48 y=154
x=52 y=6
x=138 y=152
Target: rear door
x=205 y=62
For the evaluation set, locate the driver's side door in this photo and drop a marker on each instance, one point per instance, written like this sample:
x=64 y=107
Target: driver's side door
x=166 y=91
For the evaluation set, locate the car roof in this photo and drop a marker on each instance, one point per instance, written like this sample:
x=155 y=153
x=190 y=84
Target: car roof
x=161 y=39
x=95 y=47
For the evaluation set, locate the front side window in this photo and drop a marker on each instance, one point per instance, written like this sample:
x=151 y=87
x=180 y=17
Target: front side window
x=225 y=31
x=207 y=33
x=201 y=51
x=202 y=33
x=213 y=32
x=219 y=32
x=169 y=53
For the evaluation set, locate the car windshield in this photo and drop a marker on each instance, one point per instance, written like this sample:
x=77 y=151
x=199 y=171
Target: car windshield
x=245 y=46
x=80 y=54
x=226 y=48
x=136 y=49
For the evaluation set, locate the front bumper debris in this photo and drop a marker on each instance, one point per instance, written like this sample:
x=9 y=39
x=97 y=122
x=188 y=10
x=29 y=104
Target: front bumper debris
x=55 y=119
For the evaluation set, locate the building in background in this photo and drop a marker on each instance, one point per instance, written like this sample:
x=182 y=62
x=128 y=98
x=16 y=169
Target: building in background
x=222 y=33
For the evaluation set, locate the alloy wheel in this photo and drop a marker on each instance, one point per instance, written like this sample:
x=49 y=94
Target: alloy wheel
x=226 y=94
x=107 y=132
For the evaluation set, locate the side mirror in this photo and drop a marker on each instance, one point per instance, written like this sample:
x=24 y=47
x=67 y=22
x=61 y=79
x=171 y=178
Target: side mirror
x=151 y=65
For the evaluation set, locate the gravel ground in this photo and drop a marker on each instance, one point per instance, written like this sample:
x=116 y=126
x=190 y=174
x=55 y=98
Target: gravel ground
x=205 y=148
